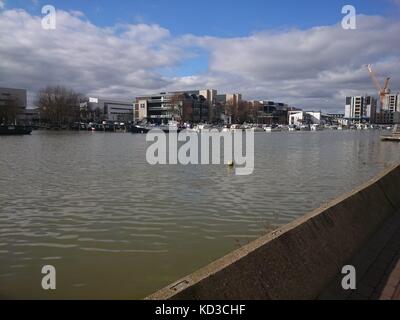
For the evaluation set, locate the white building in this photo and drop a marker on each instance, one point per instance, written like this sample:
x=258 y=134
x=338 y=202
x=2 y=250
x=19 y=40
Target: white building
x=300 y=117
x=112 y=110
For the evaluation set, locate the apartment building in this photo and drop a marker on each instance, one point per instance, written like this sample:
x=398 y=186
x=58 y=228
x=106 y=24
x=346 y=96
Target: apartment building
x=360 y=109
x=390 y=113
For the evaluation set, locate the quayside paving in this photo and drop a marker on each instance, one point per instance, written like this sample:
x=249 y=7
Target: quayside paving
x=378 y=268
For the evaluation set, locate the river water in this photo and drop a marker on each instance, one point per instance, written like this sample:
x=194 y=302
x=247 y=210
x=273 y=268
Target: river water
x=116 y=227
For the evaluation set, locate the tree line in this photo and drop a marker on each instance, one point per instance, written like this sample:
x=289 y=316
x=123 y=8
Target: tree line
x=59 y=106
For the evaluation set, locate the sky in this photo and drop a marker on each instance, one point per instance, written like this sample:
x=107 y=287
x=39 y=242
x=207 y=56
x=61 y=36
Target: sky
x=290 y=51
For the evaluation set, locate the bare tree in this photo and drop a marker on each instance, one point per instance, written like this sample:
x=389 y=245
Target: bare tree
x=176 y=105
x=182 y=107
x=243 y=112
x=59 y=106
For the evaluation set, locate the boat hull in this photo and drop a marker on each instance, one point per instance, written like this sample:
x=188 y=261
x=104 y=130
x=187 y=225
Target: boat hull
x=144 y=130
x=14 y=130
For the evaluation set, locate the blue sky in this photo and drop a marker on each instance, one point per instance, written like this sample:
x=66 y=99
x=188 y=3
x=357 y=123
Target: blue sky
x=289 y=50
x=223 y=18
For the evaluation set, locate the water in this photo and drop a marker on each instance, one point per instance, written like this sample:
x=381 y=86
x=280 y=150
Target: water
x=115 y=227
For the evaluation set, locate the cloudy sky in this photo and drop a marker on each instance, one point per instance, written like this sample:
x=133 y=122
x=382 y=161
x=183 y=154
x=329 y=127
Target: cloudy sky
x=292 y=51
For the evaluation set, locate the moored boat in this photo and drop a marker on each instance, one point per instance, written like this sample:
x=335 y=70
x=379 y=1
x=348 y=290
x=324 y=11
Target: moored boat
x=316 y=127
x=395 y=136
x=256 y=129
x=305 y=127
x=272 y=128
x=143 y=129
x=9 y=130
x=236 y=127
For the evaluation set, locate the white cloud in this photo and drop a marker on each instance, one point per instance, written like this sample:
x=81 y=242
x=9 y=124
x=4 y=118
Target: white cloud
x=312 y=68
x=116 y=62
x=2 y=4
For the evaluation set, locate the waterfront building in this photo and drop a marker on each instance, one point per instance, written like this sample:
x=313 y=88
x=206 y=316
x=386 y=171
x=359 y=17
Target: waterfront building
x=110 y=110
x=390 y=113
x=160 y=108
x=361 y=109
x=300 y=117
x=188 y=106
x=271 y=112
x=211 y=96
x=17 y=98
x=229 y=107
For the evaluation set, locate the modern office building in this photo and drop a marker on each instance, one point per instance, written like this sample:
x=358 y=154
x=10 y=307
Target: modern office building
x=110 y=110
x=273 y=112
x=158 y=108
x=14 y=97
x=211 y=96
x=188 y=106
x=227 y=106
x=361 y=109
x=270 y=112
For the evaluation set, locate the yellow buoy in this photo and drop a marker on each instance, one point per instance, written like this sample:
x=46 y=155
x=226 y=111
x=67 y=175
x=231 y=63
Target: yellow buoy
x=231 y=163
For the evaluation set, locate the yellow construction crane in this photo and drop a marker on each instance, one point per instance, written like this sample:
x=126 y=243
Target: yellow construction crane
x=382 y=91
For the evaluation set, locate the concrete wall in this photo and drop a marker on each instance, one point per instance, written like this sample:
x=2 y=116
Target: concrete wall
x=299 y=260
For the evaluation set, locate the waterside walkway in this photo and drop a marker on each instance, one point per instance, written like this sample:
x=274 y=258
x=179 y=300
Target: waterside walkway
x=377 y=266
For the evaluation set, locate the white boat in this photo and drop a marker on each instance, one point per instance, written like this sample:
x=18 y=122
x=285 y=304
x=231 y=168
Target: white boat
x=201 y=127
x=236 y=127
x=272 y=129
x=256 y=129
x=292 y=127
x=316 y=127
x=305 y=127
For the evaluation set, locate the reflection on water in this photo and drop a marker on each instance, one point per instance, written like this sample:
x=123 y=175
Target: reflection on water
x=116 y=227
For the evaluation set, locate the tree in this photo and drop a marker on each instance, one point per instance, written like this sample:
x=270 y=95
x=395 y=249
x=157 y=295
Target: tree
x=243 y=114
x=176 y=105
x=182 y=107
x=229 y=110
x=59 y=106
x=8 y=111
